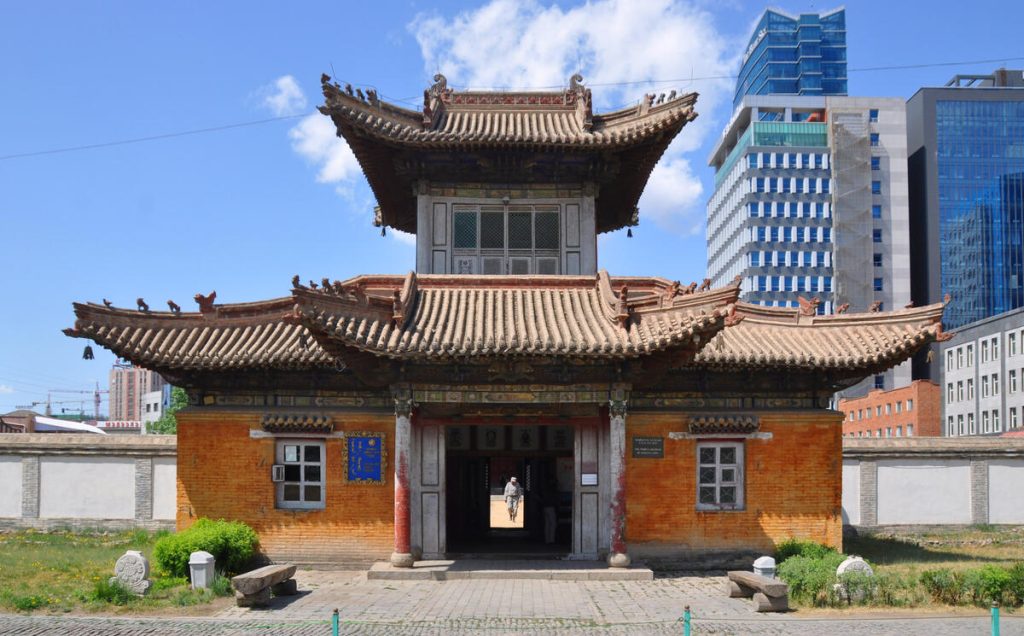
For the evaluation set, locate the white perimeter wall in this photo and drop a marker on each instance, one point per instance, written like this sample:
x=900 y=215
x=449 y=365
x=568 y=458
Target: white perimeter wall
x=1006 y=491
x=924 y=491
x=851 y=492
x=165 y=488
x=86 y=488
x=10 y=486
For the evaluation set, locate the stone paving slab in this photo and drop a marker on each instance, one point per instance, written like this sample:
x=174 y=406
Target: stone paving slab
x=448 y=570
x=498 y=607
x=88 y=626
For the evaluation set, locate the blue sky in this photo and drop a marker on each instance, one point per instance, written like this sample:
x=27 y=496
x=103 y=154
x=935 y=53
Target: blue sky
x=243 y=209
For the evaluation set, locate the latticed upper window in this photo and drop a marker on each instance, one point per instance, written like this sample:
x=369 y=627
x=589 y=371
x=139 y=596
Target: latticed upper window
x=492 y=229
x=464 y=230
x=519 y=230
x=720 y=476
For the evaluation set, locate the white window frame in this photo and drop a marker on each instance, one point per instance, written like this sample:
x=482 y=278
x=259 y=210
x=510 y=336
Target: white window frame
x=279 y=487
x=970 y=355
x=737 y=482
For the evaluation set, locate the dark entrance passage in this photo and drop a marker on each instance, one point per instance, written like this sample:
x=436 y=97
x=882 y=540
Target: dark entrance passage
x=480 y=460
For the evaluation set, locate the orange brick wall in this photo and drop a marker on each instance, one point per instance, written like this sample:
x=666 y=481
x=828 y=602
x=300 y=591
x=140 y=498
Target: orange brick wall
x=225 y=474
x=792 y=484
x=925 y=417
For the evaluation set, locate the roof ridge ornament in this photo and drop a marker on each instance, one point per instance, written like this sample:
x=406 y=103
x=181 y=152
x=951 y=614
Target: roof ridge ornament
x=206 y=302
x=808 y=307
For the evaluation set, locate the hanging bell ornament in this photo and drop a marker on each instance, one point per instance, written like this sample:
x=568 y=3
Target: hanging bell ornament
x=383 y=231
x=629 y=233
x=87 y=354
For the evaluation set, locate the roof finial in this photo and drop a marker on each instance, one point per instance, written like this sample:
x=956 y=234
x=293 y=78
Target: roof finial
x=205 y=302
x=808 y=307
x=576 y=82
x=142 y=304
x=440 y=88
x=173 y=306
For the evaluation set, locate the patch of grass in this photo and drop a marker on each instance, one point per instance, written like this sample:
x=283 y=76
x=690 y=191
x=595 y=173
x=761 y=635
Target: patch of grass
x=64 y=570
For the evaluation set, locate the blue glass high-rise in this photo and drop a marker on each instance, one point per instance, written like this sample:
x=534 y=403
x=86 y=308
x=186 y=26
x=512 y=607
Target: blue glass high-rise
x=795 y=55
x=980 y=165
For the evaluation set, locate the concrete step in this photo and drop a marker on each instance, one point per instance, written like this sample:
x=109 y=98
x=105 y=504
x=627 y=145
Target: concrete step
x=507 y=569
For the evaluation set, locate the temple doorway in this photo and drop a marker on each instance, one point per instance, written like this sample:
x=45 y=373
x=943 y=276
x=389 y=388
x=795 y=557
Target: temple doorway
x=480 y=460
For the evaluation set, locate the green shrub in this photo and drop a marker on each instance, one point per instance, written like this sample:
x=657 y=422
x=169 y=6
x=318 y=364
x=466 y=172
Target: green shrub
x=1015 y=590
x=112 y=592
x=944 y=585
x=232 y=544
x=797 y=547
x=811 y=580
x=222 y=586
x=987 y=584
x=28 y=603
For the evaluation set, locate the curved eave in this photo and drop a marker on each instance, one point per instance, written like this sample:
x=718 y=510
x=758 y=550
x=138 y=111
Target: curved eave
x=849 y=344
x=241 y=337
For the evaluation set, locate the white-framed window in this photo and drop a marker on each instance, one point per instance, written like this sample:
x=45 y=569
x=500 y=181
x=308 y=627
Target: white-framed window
x=878 y=411
x=970 y=423
x=910 y=430
x=303 y=485
x=910 y=405
x=984 y=386
x=970 y=355
x=949 y=392
x=984 y=350
x=959 y=357
x=995 y=384
x=986 y=424
x=995 y=347
x=995 y=422
x=899 y=431
x=1011 y=344
x=888 y=431
x=899 y=406
x=949 y=426
x=720 y=476
x=959 y=390
x=1013 y=381
x=888 y=408
x=949 y=360
x=1014 y=422
x=970 y=388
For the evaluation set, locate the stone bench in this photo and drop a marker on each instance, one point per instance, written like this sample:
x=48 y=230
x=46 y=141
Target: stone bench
x=769 y=595
x=254 y=589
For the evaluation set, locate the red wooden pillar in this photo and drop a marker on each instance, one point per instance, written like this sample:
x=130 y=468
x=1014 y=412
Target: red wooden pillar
x=617 y=557
x=402 y=556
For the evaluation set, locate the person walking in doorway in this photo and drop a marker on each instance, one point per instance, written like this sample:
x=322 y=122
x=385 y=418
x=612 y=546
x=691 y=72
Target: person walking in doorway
x=513 y=492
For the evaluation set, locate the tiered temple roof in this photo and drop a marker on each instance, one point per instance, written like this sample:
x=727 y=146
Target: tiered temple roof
x=506 y=138
x=433 y=319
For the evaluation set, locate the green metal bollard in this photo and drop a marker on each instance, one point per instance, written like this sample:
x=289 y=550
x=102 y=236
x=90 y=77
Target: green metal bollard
x=995 y=619
x=686 y=621
x=334 y=623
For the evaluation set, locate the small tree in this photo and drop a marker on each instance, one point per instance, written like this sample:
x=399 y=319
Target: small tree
x=168 y=423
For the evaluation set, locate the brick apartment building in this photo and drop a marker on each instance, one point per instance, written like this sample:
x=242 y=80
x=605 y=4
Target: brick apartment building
x=910 y=411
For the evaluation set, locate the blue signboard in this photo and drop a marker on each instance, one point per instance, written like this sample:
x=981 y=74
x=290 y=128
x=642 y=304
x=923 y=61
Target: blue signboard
x=365 y=458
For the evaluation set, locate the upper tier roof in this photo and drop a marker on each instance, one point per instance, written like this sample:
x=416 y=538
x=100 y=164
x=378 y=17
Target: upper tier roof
x=506 y=138
x=435 y=319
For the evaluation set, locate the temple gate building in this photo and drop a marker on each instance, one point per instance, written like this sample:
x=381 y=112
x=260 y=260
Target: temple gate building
x=376 y=417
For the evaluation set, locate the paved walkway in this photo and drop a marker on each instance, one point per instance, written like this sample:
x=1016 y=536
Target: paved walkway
x=504 y=607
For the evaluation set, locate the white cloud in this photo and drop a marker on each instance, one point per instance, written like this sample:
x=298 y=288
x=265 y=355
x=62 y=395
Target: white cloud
x=283 y=97
x=525 y=44
x=5 y=389
x=402 y=237
x=315 y=138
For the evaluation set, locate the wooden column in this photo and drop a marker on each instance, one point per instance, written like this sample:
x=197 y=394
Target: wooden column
x=617 y=557
x=402 y=556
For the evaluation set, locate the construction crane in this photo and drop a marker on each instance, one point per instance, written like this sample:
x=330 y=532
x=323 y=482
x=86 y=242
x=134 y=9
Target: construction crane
x=95 y=398
x=49 y=405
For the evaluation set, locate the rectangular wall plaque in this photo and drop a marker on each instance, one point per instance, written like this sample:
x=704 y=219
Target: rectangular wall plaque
x=364 y=458
x=650 y=447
